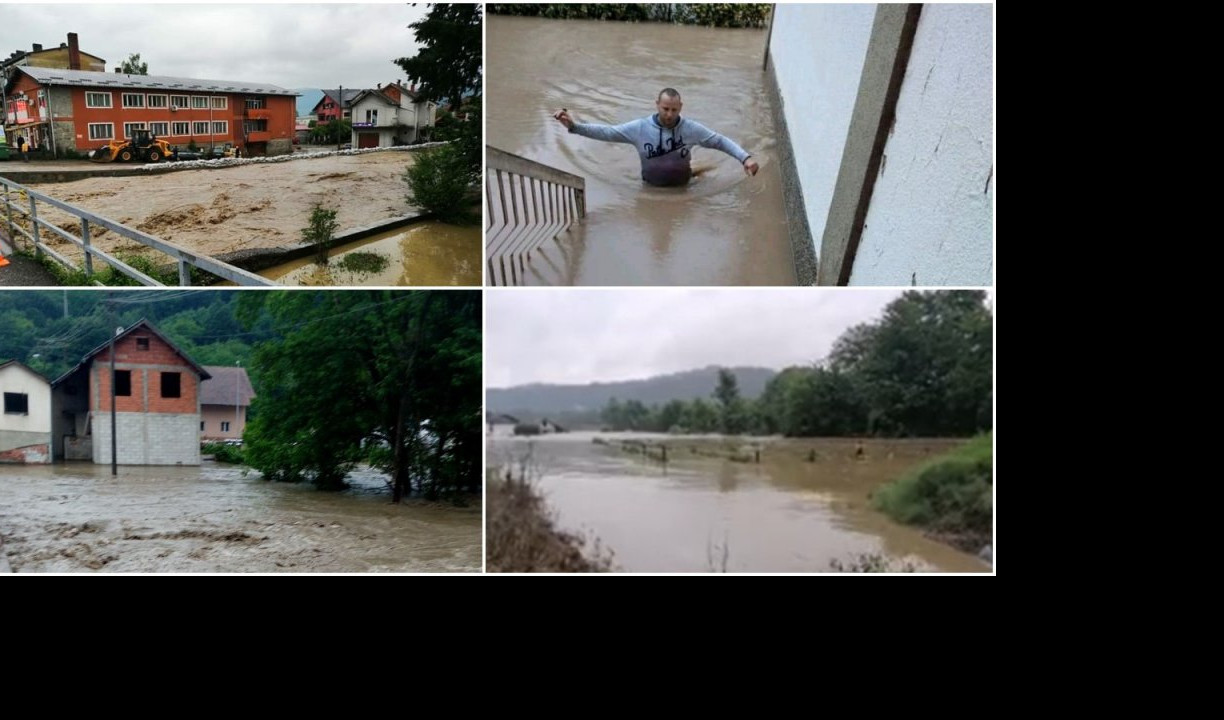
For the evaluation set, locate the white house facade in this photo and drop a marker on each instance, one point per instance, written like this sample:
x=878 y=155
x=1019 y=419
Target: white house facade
x=25 y=415
x=390 y=116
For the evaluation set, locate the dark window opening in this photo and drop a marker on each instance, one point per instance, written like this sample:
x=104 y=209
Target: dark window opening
x=142 y=343
x=170 y=387
x=16 y=404
x=123 y=382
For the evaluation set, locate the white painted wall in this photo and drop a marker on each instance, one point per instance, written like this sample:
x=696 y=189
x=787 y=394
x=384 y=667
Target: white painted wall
x=18 y=379
x=817 y=53
x=931 y=218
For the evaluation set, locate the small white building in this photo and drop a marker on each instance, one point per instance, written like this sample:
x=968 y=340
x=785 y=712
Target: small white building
x=25 y=415
x=391 y=115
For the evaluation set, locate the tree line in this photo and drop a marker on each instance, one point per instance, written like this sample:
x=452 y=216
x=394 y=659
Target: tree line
x=924 y=369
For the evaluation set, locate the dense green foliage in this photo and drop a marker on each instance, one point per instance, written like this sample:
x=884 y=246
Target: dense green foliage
x=923 y=370
x=951 y=494
x=333 y=132
x=448 y=63
x=438 y=181
x=390 y=378
x=51 y=330
x=713 y=14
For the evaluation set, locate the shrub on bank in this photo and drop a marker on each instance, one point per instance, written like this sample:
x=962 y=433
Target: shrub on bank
x=522 y=537
x=438 y=182
x=951 y=494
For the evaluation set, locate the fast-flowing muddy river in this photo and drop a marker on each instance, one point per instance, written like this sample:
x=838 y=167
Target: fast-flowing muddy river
x=724 y=228
x=77 y=518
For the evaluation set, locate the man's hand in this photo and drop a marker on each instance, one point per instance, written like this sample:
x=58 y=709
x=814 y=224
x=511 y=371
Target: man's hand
x=751 y=167
x=564 y=118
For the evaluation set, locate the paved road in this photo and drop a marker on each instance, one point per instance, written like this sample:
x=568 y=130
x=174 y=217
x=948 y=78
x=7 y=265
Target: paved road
x=22 y=271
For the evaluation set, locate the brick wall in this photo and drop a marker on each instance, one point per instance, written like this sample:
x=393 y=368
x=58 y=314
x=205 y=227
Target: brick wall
x=146 y=367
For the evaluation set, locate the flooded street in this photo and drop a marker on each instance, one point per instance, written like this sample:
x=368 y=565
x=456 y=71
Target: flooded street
x=421 y=254
x=786 y=514
x=77 y=518
x=724 y=228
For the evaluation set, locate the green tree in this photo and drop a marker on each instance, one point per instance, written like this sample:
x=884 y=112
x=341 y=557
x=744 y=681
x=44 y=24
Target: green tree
x=732 y=415
x=438 y=180
x=390 y=378
x=448 y=64
x=133 y=66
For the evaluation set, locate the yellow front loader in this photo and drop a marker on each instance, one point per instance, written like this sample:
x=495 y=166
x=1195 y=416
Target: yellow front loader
x=142 y=147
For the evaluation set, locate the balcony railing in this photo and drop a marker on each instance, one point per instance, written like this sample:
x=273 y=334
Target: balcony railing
x=529 y=203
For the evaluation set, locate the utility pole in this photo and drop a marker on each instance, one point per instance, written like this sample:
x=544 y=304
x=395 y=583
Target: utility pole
x=339 y=117
x=114 y=437
x=237 y=378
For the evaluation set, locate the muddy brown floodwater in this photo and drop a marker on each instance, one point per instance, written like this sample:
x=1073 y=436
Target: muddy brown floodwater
x=77 y=518
x=804 y=506
x=723 y=229
x=222 y=210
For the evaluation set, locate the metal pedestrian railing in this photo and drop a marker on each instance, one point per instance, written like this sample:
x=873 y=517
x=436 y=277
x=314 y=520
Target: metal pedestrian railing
x=21 y=217
x=527 y=203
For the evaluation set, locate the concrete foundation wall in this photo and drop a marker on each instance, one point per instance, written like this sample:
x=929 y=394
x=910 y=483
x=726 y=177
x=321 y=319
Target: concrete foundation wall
x=149 y=439
x=280 y=147
x=25 y=447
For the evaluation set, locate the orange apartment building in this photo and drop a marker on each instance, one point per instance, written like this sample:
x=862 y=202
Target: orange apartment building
x=80 y=110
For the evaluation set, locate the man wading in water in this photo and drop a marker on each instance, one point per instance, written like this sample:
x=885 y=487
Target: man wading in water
x=663 y=140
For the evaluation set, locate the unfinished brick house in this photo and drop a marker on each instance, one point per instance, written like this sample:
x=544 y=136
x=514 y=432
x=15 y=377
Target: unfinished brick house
x=157 y=403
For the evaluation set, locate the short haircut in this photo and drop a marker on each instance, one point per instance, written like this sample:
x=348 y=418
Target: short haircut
x=669 y=92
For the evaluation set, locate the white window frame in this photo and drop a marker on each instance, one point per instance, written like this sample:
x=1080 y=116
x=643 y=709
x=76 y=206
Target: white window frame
x=224 y=102
x=110 y=131
x=110 y=99
x=195 y=127
x=181 y=102
x=220 y=124
x=126 y=125
x=174 y=129
x=202 y=100
x=165 y=101
x=225 y=426
x=124 y=99
x=165 y=128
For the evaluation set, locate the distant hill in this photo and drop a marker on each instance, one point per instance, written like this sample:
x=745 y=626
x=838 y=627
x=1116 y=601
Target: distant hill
x=307 y=100
x=540 y=398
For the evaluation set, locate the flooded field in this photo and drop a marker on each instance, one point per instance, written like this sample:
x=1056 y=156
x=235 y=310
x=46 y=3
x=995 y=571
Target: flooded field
x=789 y=513
x=725 y=228
x=77 y=518
x=427 y=253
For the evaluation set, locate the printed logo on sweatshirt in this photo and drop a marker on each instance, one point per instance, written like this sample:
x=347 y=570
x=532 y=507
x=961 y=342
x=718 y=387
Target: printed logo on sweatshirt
x=672 y=145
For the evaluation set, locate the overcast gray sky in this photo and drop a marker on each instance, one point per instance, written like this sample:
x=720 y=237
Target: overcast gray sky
x=290 y=45
x=579 y=336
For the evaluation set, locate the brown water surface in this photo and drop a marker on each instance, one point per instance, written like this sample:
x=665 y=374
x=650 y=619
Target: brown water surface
x=786 y=514
x=421 y=254
x=725 y=228
x=77 y=518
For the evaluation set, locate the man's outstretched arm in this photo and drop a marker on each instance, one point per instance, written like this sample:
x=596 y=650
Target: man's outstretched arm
x=607 y=133
x=709 y=138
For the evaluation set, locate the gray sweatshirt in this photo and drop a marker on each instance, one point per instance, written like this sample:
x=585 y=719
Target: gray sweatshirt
x=664 y=151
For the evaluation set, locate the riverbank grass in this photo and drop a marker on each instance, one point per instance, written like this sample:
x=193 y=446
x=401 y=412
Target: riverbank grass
x=950 y=495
